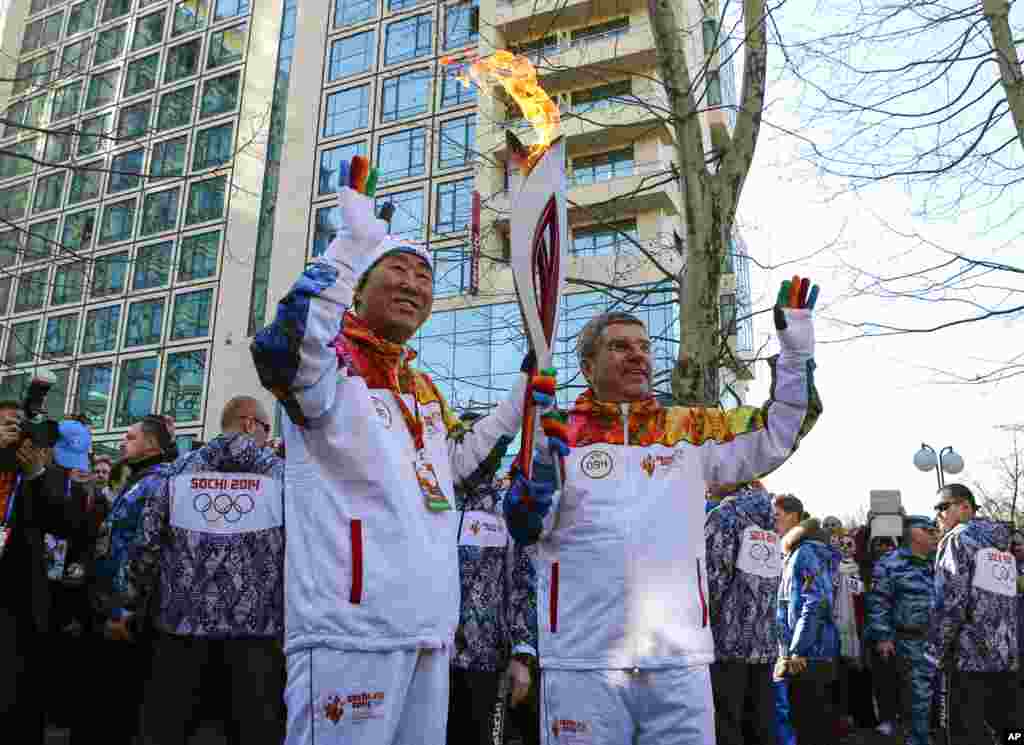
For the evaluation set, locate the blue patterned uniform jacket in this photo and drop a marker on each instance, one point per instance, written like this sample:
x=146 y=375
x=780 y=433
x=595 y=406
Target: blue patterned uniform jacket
x=901 y=597
x=1020 y=614
x=974 y=621
x=118 y=536
x=211 y=547
x=806 y=594
x=498 y=612
x=744 y=565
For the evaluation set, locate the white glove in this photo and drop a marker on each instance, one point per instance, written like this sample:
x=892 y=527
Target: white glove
x=360 y=241
x=798 y=336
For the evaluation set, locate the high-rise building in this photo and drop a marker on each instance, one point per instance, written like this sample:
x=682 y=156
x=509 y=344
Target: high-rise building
x=166 y=169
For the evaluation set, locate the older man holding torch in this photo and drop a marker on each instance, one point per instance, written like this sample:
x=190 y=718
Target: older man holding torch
x=371 y=564
x=625 y=642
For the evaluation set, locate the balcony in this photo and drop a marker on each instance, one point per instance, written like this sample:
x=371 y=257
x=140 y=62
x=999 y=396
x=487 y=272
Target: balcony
x=515 y=15
x=612 y=121
x=615 y=51
x=645 y=187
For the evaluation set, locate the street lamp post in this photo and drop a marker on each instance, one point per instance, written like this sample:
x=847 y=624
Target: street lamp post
x=946 y=460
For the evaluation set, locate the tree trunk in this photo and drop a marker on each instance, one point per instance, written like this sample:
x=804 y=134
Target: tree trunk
x=997 y=13
x=709 y=199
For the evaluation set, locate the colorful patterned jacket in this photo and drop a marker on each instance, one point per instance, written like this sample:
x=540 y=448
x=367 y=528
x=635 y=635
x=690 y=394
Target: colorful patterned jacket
x=1020 y=613
x=498 y=615
x=211 y=548
x=974 y=621
x=744 y=564
x=118 y=537
x=901 y=597
x=806 y=594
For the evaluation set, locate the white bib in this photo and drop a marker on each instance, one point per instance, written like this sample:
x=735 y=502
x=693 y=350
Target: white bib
x=995 y=571
x=483 y=529
x=759 y=553
x=226 y=503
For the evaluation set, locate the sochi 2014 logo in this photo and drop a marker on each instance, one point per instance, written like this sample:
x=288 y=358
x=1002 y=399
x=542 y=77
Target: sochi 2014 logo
x=334 y=708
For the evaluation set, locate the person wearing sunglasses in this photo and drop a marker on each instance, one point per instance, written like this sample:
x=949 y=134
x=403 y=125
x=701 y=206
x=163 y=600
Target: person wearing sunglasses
x=210 y=562
x=973 y=631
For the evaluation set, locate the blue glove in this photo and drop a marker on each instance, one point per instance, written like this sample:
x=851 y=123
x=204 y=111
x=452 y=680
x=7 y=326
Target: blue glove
x=527 y=502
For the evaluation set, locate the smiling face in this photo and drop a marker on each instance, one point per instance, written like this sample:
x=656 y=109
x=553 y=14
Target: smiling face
x=620 y=369
x=396 y=297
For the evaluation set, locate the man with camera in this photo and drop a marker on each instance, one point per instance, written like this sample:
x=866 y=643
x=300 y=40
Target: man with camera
x=34 y=500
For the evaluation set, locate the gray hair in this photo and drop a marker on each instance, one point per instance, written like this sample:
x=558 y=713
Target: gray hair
x=586 y=343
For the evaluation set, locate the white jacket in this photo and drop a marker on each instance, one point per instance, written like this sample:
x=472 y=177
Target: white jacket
x=367 y=565
x=621 y=566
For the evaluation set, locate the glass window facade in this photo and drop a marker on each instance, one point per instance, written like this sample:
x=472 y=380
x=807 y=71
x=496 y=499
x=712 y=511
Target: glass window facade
x=109 y=45
x=176 y=108
x=453 y=206
x=108 y=274
x=134 y=121
x=86 y=182
x=82 y=17
x=205 y=201
x=126 y=171
x=347 y=12
x=65 y=101
x=189 y=15
x=605 y=239
x=49 y=192
x=227 y=46
x=118 y=222
x=461 y=24
x=213 y=147
x=591 y=169
x=58 y=145
x=160 y=211
x=92 y=396
x=457 y=142
x=149 y=30
x=61 y=334
x=229 y=8
x=182 y=61
x=168 y=160
x=136 y=390
x=21 y=344
x=18 y=162
x=145 y=323
x=93 y=137
x=152 y=266
x=191 y=316
x=408 y=39
x=141 y=74
x=347 y=111
x=31 y=291
x=451 y=271
x=352 y=55
x=198 y=257
x=454 y=92
x=68 y=282
x=402 y=154
x=219 y=95
x=406 y=95
x=14 y=202
x=42 y=237
x=78 y=230
x=100 y=333
x=407 y=221
x=184 y=374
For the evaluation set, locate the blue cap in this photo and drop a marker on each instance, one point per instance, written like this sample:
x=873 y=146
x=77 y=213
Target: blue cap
x=73 y=444
x=920 y=521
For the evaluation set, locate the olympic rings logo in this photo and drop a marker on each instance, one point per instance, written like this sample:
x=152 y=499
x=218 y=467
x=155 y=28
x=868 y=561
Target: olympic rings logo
x=760 y=552
x=1001 y=572
x=230 y=507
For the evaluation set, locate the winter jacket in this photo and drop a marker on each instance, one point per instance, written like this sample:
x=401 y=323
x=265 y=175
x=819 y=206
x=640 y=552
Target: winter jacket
x=117 y=542
x=848 y=587
x=901 y=597
x=744 y=563
x=212 y=543
x=1020 y=615
x=498 y=614
x=368 y=565
x=974 y=619
x=622 y=575
x=805 y=622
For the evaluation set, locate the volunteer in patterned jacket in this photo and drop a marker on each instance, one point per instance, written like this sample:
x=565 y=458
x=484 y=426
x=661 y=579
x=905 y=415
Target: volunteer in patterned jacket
x=744 y=564
x=371 y=569
x=120 y=651
x=625 y=642
x=899 y=607
x=1017 y=549
x=973 y=632
x=497 y=633
x=211 y=558
x=808 y=638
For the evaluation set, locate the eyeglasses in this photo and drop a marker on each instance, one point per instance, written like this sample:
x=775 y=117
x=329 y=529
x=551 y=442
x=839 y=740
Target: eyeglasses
x=266 y=427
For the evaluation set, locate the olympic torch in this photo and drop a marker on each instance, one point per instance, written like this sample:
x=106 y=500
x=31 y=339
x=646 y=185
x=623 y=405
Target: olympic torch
x=539 y=219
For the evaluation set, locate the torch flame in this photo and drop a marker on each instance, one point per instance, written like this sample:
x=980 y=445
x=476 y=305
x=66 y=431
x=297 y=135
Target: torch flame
x=519 y=79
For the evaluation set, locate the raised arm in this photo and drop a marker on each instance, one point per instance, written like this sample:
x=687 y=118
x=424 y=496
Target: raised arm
x=295 y=355
x=751 y=443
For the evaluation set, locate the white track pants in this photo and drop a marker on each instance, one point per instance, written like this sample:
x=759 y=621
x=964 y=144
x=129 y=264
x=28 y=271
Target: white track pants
x=367 y=698
x=618 y=707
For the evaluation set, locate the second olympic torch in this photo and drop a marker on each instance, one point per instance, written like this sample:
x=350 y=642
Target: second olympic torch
x=538 y=214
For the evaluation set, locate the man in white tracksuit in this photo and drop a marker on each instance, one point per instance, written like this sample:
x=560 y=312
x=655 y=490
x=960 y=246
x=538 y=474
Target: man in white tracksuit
x=371 y=563
x=625 y=642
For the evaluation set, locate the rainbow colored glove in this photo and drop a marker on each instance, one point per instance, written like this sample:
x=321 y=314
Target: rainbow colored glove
x=553 y=422
x=796 y=299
